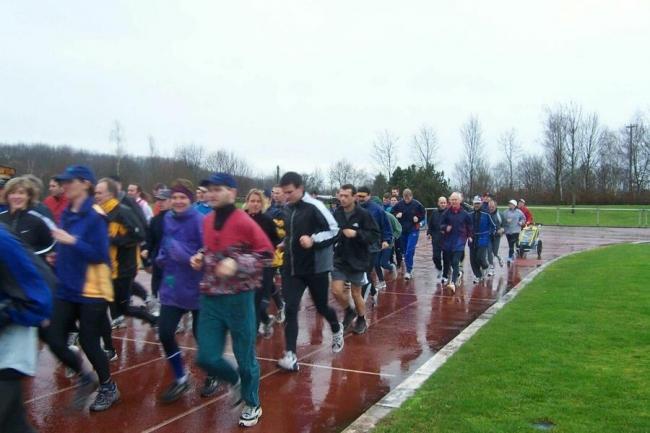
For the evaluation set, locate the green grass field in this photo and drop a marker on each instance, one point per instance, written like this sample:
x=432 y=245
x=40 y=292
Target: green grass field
x=604 y=216
x=572 y=349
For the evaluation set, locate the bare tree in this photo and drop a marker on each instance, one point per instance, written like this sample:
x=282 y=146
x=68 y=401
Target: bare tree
x=116 y=136
x=473 y=155
x=592 y=139
x=573 y=127
x=555 y=143
x=385 y=152
x=228 y=162
x=511 y=149
x=425 y=146
x=532 y=174
x=314 y=181
x=191 y=154
x=342 y=172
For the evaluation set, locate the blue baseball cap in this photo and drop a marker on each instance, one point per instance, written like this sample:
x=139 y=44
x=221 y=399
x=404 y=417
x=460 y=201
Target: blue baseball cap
x=220 y=179
x=77 y=172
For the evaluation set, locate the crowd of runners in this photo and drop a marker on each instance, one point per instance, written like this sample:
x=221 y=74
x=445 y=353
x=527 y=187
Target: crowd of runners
x=68 y=267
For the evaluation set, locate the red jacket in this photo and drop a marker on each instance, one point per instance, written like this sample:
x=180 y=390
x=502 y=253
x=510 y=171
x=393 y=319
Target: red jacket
x=241 y=239
x=56 y=205
x=527 y=214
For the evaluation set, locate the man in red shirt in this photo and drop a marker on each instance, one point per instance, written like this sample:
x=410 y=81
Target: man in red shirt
x=527 y=213
x=56 y=202
x=234 y=255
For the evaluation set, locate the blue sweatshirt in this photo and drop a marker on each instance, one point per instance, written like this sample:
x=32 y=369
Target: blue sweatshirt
x=461 y=229
x=35 y=303
x=83 y=269
x=379 y=215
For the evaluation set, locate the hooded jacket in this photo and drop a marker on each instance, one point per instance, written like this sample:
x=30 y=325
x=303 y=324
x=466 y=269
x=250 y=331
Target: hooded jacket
x=182 y=238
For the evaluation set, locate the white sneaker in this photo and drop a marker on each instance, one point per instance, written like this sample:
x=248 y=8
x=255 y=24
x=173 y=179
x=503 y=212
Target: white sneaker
x=381 y=285
x=118 y=322
x=444 y=281
x=451 y=286
x=250 y=415
x=407 y=276
x=289 y=361
x=490 y=272
x=475 y=280
x=337 y=340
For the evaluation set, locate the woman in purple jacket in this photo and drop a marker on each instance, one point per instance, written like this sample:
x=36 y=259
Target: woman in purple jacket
x=179 y=288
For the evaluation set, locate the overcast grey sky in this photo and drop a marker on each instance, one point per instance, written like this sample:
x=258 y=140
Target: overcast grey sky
x=304 y=83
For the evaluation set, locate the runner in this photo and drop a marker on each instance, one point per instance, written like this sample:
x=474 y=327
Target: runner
x=125 y=234
x=201 y=204
x=84 y=290
x=380 y=250
x=353 y=255
x=483 y=229
x=456 y=225
x=409 y=212
x=254 y=207
x=495 y=241
x=435 y=235
x=56 y=201
x=236 y=250
x=308 y=254
x=521 y=205
x=179 y=288
x=276 y=211
x=27 y=306
x=140 y=197
x=513 y=220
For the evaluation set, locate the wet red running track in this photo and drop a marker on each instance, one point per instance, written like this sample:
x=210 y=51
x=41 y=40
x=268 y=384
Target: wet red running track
x=412 y=321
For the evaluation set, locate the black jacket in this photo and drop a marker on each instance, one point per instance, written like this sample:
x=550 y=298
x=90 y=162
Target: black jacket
x=124 y=246
x=434 y=226
x=265 y=221
x=353 y=254
x=309 y=217
x=31 y=227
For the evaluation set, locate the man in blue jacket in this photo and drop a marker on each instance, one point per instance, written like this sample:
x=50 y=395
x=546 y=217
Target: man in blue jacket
x=483 y=228
x=380 y=251
x=25 y=302
x=409 y=212
x=456 y=224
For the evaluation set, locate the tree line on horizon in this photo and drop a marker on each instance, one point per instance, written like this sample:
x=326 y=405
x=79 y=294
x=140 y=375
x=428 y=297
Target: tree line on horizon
x=582 y=161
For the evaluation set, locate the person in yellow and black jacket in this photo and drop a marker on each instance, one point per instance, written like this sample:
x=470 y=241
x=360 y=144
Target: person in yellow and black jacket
x=125 y=233
x=82 y=267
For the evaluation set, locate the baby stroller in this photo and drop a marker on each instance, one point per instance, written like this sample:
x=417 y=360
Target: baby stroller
x=529 y=240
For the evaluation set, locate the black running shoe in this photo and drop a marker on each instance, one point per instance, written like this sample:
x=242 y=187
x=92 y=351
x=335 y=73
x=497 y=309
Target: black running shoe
x=210 y=387
x=350 y=314
x=175 y=391
x=360 y=326
x=107 y=396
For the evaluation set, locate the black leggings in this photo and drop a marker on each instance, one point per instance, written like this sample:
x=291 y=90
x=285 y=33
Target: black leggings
x=122 y=305
x=12 y=410
x=293 y=287
x=91 y=317
x=168 y=321
x=513 y=240
x=263 y=296
x=451 y=260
